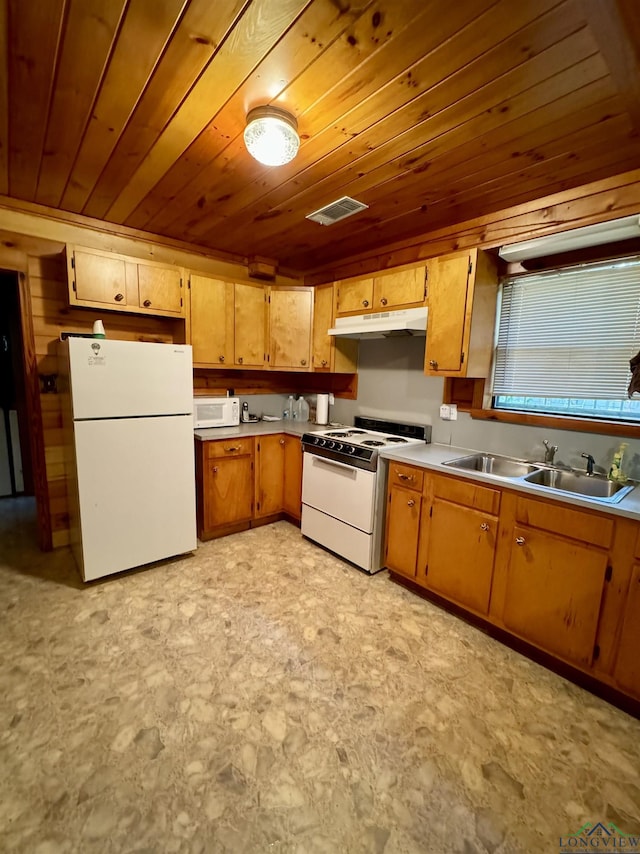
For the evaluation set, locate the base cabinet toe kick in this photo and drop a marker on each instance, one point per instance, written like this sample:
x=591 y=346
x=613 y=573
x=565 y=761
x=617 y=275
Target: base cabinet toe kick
x=566 y=581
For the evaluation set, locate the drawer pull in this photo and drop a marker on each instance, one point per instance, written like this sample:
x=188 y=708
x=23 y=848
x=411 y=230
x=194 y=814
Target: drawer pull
x=324 y=363
x=365 y=303
x=484 y=527
x=119 y=297
x=519 y=541
x=411 y=503
x=383 y=301
x=303 y=361
x=221 y=358
x=433 y=364
x=239 y=360
x=406 y=476
x=232 y=449
x=147 y=303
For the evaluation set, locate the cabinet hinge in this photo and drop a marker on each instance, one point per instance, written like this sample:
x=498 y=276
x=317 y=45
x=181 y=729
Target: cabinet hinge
x=608 y=572
x=180 y=281
x=426 y=569
x=431 y=511
x=74 y=285
x=470 y=266
x=268 y=357
x=258 y=446
x=462 y=358
x=252 y=465
x=180 y=302
x=389 y=498
x=596 y=652
x=73 y=262
x=258 y=505
x=189 y=283
x=269 y=299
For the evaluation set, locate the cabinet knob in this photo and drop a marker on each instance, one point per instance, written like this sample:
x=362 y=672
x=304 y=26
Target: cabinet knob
x=383 y=301
x=231 y=450
x=365 y=303
x=433 y=364
x=324 y=363
x=411 y=503
x=519 y=541
x=119 y=297
x=282 y=441
x=221 y=358
x=146 y=303
x=215 y=469
x=405 y=476
x=303 y=361
x=484 y=527
x=239 y=360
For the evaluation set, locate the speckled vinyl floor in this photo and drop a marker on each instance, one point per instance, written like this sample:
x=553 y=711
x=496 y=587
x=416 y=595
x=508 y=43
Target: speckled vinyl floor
x=263 y=696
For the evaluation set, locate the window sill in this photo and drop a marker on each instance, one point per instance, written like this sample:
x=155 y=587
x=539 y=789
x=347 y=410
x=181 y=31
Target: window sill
x=559 y=422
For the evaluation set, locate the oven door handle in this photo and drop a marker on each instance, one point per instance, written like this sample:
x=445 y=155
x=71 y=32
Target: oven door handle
x=334 y=463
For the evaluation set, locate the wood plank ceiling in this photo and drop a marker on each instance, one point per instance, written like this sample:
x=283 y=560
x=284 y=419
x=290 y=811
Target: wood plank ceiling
x=428 y=111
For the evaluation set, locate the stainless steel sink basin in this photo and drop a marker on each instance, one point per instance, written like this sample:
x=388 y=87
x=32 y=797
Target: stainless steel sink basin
x=588 y=486
x=491 y=464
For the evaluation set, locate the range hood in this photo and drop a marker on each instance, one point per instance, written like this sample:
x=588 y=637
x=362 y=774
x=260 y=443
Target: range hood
x=382 y=324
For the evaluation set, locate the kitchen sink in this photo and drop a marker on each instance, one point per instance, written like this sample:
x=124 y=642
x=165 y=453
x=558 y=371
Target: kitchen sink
x=588 y=486
x=490 y=464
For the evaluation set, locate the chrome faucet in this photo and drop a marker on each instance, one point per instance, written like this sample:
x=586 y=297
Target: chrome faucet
x=550 y=451
x=590 y=463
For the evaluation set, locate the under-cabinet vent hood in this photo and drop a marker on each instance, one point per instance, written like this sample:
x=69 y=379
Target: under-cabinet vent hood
x=382 y=324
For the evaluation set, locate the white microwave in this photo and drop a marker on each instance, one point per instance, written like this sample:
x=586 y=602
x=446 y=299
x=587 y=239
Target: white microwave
x=215 y=412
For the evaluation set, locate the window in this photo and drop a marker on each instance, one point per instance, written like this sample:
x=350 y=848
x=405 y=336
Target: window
x=564 y=341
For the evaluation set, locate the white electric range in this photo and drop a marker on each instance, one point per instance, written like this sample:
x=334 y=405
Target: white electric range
x=344 y=486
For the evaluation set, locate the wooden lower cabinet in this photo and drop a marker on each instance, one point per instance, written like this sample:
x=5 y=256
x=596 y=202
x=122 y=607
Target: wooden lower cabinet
x=553 y=593
x=269 y=475
x=462 y=546
x=292 y=486
x=563 y=579
x=229 y=491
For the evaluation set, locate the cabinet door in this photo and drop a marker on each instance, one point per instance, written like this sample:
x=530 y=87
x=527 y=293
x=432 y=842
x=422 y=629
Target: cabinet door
x=553 y=593
x=462 y=544
x=292 y=494
x=627 y=670
x=354 y=297
x=394 y=290
x=228 y=491
x=160 y=288
x=211 y=321
x=290 y=313
x=403 y=528
x=100 y=278
x=269 y=474
x=250 y=320
x=322 y=320
x=449 y=312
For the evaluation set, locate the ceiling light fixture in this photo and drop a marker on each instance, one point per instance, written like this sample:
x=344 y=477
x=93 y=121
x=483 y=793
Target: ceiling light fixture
x=271 y=136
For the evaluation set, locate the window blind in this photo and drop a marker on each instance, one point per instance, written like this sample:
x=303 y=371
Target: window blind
x=569 y=333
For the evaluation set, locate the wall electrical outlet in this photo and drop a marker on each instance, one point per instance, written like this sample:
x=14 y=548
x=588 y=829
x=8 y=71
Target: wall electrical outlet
x=453 y=412
x=445 y=412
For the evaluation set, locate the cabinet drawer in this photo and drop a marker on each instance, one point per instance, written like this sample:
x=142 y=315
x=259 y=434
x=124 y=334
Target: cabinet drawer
x=407 y=476
x=585 y=527
x=468 y=494
x=228 y=448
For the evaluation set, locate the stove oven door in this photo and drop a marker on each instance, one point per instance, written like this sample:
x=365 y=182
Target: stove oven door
x=342 y=491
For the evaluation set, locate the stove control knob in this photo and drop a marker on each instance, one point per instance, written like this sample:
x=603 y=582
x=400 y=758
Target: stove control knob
x=316 y=440
x=339 y=446
x=331 y=444
x=322 y=442
x=352 y=449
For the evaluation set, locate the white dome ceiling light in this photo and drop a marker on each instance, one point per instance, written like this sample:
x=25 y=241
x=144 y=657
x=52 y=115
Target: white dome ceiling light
x=271 y=136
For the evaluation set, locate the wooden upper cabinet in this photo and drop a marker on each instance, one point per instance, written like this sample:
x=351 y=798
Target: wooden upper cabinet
x=250 y=325
x=354 y=296
x=461 y=296
x=120 y=283
x=339 y=355
x=212 y=321
x=399 y=288
x=270 y=460
x=290 y=324
x=160 y=288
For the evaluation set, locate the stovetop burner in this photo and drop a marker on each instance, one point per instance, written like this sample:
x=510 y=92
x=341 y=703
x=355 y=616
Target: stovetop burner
x=396 y=439
x=372 y=443
x=338 y=435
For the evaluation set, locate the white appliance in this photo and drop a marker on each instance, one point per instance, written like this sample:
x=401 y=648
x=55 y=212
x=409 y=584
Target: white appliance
x=215 y=412
x=344 y=487
x=129 y=452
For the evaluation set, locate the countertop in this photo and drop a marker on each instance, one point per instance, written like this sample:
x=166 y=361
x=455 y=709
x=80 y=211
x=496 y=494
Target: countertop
x=433 y=456
x=260 y=428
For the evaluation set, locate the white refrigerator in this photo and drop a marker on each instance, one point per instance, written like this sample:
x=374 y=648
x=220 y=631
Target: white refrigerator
x=129 y=452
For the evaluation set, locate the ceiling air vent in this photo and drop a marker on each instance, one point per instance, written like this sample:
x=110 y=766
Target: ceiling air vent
x=337 y=210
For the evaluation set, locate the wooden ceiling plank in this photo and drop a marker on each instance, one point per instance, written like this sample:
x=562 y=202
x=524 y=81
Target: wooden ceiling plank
x=376 y=69
x=616 y=29
x=145 y=31
x=90 y=29
x=192 y=46
x=258 y=30
x=577 y=170
x=4 y=97
x=315 y=31
x=34 y=30
x=411 y=117
x=554 y=61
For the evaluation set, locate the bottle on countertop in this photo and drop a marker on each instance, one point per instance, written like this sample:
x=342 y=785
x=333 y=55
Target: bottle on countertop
x=302 y=409
x=615 y=472
x=289 y=412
